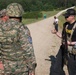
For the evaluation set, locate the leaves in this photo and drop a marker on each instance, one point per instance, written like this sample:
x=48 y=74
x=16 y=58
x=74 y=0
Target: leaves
x=39 y=5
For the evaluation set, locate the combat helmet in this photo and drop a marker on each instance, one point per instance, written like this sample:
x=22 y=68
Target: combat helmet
x=14 y=10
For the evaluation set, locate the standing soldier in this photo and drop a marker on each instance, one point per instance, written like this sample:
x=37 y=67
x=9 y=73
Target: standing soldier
x=3 y=19
x=55 y=23
x=67 y=51
x=17 y=53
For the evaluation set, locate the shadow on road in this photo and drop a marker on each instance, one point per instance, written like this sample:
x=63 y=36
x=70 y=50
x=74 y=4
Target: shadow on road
x=52 y=59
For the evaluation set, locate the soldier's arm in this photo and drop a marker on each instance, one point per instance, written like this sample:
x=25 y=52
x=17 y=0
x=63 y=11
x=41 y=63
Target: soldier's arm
x=27 y=46
x=32 y=60
x=59 y=34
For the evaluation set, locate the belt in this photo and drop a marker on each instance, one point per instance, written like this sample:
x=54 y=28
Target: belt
x=72 y=56
x=72 y=50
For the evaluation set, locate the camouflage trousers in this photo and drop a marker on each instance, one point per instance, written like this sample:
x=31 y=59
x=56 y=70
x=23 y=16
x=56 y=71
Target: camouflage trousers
x=2 y=73
x=15 y=68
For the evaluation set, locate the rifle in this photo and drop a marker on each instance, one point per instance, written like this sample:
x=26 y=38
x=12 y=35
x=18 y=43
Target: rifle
x=64 y=46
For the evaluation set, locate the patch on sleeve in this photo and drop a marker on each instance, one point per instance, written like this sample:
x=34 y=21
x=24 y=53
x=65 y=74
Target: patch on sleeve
x=30 y=40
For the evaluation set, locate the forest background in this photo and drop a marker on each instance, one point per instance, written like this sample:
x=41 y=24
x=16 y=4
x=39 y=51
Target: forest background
x=40 y=5
x=36 y=10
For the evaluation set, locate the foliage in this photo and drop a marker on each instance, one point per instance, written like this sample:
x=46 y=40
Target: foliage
x=39 y=5
x=35 y=14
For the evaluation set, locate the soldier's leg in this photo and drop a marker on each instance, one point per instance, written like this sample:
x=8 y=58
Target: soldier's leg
x=1 y=72
x=72 y=64
x=16 y=73
x=56 y=27
x=58 y=67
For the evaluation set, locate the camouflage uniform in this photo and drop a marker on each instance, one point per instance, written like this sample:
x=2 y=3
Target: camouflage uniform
x=17 y=53
x=2 y=13
x=3 y=17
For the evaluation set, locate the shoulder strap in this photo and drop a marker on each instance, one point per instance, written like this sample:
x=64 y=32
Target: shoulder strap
x=72 y=32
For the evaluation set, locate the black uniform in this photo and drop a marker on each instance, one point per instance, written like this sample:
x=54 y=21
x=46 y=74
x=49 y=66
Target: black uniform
x=71 y=65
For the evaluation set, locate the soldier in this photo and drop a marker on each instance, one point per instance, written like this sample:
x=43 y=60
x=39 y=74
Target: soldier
x=3 y=17
x=17 y=53
x=56 y=23
x=68 y=48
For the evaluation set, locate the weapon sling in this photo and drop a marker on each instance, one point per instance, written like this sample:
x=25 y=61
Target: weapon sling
x=72 y=32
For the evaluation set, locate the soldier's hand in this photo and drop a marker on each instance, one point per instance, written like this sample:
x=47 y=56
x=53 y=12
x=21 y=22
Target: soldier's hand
x=1 y=66
x=54 y=31
x=68 y=42
x=32 y=73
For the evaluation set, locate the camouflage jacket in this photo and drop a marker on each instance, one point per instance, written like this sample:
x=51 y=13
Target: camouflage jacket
x=16 y=44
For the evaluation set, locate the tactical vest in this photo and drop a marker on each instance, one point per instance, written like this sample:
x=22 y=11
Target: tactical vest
x=71 y=48
x=9 y=42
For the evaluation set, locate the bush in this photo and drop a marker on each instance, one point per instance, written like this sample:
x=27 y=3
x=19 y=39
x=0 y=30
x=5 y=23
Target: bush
x=32 y=15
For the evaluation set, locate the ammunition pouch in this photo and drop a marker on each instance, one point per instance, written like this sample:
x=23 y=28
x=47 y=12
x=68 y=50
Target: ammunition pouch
x=72 y=49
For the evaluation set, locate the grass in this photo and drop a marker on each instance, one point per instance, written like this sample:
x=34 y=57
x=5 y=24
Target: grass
x=61 y=21
x=48 y=14
x=28 y=21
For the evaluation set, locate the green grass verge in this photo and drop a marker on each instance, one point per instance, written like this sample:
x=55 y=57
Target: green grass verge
x=28 y=21
x=61 y=21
